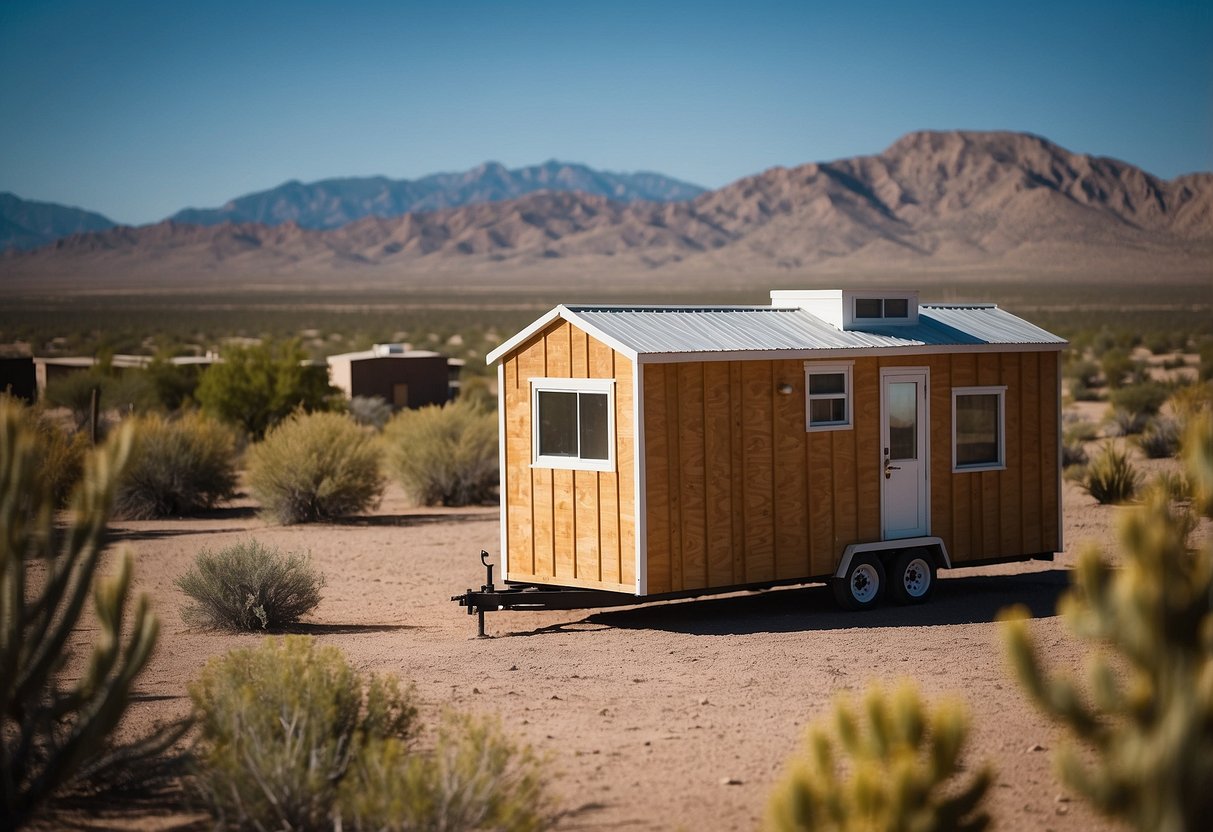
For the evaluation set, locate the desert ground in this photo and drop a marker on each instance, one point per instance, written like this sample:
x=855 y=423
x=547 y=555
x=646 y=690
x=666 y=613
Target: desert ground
x=670 y=716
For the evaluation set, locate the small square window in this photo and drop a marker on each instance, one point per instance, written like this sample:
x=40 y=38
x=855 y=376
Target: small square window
x=896 y=308
x=828 y=396
x=573 y=424
x=978 y=421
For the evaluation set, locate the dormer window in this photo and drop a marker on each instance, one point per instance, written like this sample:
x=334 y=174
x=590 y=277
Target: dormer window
x=877 y=309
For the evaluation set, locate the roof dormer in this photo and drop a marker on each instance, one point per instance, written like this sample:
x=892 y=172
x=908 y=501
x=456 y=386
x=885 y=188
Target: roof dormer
x=854 y=309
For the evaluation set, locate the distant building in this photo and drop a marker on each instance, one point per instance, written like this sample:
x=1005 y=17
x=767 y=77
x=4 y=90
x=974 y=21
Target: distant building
x=17 y=376
x=400 y=376
x=48 y=370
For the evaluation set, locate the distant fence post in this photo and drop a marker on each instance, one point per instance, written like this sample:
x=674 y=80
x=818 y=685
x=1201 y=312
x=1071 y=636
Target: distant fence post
x=92 y=414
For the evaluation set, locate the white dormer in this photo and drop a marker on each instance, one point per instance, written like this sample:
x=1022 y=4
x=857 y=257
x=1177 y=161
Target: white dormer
x=849 y=309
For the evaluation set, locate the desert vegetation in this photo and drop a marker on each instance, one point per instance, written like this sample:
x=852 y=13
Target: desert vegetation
x=178 y=466
x=249 y=586
x=292 y=737
x=57 y=731
x=315 y=466
x=444 y=455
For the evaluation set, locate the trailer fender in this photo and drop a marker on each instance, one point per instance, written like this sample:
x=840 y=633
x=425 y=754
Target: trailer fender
x=942 y=560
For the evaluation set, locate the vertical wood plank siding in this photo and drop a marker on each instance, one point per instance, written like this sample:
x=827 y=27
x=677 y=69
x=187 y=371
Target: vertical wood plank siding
x=733 y=479
x=573 y=528
x=736 y=491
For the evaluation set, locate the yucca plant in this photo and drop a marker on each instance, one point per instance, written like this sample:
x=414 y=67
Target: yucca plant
x=52 y=729
x=1111 y=477
x=1140 y=732
x=901 y=771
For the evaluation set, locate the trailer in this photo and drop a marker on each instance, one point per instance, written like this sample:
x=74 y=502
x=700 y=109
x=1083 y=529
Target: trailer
x=855 y=437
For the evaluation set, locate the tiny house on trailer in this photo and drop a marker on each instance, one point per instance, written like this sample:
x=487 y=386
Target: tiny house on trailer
x=854 y=437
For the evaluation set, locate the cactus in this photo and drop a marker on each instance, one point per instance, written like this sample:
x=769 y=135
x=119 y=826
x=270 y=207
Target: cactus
x=48 y=733
x=901 y=771
x=1142 y=744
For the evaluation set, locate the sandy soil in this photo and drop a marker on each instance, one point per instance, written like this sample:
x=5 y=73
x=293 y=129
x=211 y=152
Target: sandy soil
x=672 y=716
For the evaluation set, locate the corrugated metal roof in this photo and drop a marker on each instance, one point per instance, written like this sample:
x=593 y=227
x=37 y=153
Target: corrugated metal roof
x=691 y=329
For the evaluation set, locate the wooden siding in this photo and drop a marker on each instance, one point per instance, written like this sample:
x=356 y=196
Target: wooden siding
x=572 y=528
x=738 y=492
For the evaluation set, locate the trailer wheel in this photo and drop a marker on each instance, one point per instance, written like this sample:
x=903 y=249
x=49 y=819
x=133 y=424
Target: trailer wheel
x=863 y=584
x=913 y=578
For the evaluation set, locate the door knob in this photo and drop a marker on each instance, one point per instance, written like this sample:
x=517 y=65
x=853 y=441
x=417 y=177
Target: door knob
x=888 y=469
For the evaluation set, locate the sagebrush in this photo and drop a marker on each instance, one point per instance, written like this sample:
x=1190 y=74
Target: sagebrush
x=1160 y=439
x=370 y=411
x=315 y=466
x=292 y=737
x=249 y=586
x=60 y=453
x=896 y=765
x=177 y=467
x=280 y=725
x=444 y=455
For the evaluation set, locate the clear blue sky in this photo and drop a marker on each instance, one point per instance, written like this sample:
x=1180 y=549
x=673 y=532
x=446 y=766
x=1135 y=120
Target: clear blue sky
x=139 y=109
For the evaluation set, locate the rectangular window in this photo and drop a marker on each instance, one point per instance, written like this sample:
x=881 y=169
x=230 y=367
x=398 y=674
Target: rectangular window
x=828 y=396
x=877 y=309
x=978 y=425
x=574 y=423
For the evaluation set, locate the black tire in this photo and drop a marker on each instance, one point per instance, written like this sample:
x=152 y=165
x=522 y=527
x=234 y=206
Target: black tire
x=863 y=585
x=912 y=579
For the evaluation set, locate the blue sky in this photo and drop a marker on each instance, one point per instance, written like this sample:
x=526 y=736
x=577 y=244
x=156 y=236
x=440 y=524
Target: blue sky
x=139 y=109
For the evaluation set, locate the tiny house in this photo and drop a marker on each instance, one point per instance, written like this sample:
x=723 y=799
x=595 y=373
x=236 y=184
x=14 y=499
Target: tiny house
x=401 y=376
x=856 y=437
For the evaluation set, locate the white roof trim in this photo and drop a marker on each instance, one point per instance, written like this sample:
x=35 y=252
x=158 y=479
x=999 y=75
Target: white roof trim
x=572 y=317
x=840 y=352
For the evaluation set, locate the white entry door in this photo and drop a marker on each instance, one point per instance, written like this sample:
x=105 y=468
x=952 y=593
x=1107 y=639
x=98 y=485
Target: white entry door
x=905 y=457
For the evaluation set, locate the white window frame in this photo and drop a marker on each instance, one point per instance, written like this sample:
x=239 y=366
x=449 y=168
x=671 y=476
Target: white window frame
x=991 y=390
x=851 y=319
x=812 y=368
x=573 y=385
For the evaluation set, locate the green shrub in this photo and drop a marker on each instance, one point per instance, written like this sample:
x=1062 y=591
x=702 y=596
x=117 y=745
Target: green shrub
x=370 y=411
x=1141 y=733
x=1127 y=423
x=1111 y=477
x=60 y=454
x=280 y=725
x=313 y=467
x=475 y=778
x=174 y=385
x=1141 y=399
x=248 y=586
x=1118 y=367
x=1073 y=453
x=257 y=387
x=178 y=466
x=445 y=454
x=901 y=771
x=57 y=727
x=75 y=392
x=1080 y=430
x=1160 y=439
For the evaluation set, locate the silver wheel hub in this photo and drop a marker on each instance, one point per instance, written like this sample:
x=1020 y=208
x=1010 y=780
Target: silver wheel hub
x=865 y=583
x=916 y=578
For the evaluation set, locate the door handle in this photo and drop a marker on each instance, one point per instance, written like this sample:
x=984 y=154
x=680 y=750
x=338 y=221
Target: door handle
x=889 y=468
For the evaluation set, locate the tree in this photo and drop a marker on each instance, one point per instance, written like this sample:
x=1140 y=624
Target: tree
x=257 y=387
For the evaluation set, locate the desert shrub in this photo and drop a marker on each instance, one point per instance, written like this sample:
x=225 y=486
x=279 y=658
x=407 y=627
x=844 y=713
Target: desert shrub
x=1080 y=430
x=1073 y=453
x=1126 y=422
x=60 y=453
x=1111 y=477
x=248 y=586
x=280 y=725
x=56 y=727
x=1141 y=733
x=129 y=391
x=445 y=454
x=257 y=387
x=1141 y=399
x=474 y=778
x=1205 y=372
x=370 y=411
x=902 y=765
x=1160 y=439
x=313 y=467
x=1175 y=362
x=1118 y=366
x=178 y=466
x=173 y=385
x=75 y=392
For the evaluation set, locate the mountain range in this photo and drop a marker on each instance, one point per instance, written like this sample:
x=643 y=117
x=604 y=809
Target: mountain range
x=26 y=224
x=939 y=201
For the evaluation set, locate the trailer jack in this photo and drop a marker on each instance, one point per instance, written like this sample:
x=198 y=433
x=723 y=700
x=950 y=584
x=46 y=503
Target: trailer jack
x=515 y=596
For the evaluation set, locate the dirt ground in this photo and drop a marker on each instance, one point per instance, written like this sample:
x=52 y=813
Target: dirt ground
x=675 y=716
